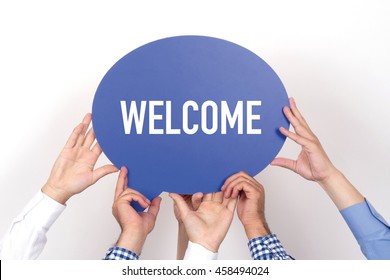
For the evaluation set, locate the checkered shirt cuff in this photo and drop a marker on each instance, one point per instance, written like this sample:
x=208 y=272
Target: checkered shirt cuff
x=118 y=253
x=267 y=248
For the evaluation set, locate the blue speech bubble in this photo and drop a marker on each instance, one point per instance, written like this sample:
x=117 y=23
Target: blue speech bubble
x=184 y=113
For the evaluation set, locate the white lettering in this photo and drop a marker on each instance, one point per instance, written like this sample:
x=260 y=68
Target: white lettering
x=133 y=114
x=168 y=113
x=195 y=107
x=251 y=117
x=237 y=115
x=209 y=114
x=214 y=120
x=153 y=117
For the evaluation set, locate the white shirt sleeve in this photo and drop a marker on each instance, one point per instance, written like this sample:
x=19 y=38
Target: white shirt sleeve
x=26 y=237
x=198 y=252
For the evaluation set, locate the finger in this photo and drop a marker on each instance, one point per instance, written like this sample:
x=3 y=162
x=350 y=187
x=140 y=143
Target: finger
x=196 y=200
x=86 y=122
x=120 y=182
x=129 y=197
x=230 y=203
x=154 y=207
x=207 y=197
x=180 y=204
x=291 y=117
x=237 y=188
x=218 y=197
x=235 y=176
x=300 y=126
x=243 y=185
x=89 y=139
x=73 y=137
x=96 y=149
x=285 y=163
x=126 y=183
x=294 y=108
x=135 y=192
x=242 y=176
x=103 y=171
x=295 y=137
x=297 y=113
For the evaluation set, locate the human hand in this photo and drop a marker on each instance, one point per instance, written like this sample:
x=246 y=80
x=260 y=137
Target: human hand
x=250 y=206
x=192 y=201
x=135 y=225
x=73 y=170
x=312 y=162
x=209 y=224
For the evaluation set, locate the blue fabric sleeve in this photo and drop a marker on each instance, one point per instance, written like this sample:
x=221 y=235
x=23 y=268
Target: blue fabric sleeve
x=371 y=231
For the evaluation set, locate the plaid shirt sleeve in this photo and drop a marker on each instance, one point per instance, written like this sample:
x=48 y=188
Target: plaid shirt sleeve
x=267 y=248
x=118 y=253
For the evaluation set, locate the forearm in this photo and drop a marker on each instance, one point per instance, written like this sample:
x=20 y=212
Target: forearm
x=55 y=193
x=341 y=191
x=182 y=242
x=257 y=229
x=131 y=241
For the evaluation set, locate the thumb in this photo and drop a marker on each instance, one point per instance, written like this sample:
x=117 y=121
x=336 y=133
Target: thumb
x=285 y=163
x=179 y=201
x=196 y=200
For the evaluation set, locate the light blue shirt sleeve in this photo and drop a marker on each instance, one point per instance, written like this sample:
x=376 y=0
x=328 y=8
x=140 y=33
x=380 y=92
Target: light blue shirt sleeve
x=371 y=231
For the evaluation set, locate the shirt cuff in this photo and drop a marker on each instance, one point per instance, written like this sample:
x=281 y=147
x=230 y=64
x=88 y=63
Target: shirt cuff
x=41 y=209
x=364 y=220
x=267 y=248
x=118 y=253
x=198 y=252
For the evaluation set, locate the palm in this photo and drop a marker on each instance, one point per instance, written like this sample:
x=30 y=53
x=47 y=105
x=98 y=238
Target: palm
x=73 y=169
x=211 y=221
x=303 y=166
x=148 y=221
x=313 y=165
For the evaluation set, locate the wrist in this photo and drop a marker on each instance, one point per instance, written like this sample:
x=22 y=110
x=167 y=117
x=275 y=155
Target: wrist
x=257 y=229
x=330 y=177
x=55 y=193
x=341 y=191
x=132 y=241
x=209 y=246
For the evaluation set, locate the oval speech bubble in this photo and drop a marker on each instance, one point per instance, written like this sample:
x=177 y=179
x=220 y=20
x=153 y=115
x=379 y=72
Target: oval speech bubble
x=184 y=113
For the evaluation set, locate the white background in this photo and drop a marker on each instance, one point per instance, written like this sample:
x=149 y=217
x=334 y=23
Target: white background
x=332 y=56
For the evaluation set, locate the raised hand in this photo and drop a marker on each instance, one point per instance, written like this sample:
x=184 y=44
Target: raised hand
x=74 y=169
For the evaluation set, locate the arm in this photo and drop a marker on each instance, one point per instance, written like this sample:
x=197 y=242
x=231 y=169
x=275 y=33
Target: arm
x=134 y=226
x=193 y=202
x=368 y=227
x=251 y=211
x=207 y=226
x=73 y=172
